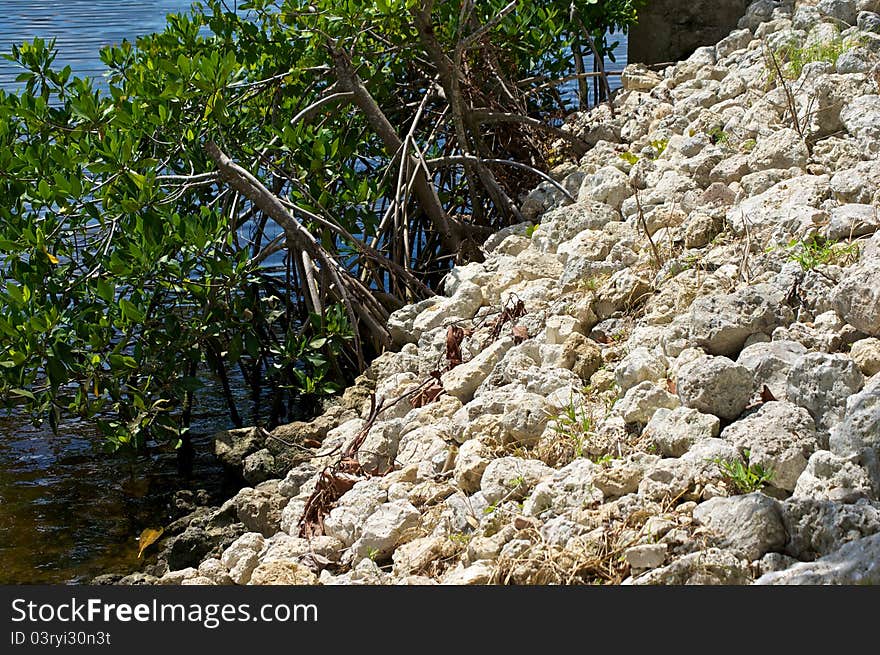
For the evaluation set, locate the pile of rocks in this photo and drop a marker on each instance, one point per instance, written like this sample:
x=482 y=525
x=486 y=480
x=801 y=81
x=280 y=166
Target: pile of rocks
x=692 y=394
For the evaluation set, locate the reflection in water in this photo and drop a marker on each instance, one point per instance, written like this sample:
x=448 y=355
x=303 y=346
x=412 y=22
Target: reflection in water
x=68 y=511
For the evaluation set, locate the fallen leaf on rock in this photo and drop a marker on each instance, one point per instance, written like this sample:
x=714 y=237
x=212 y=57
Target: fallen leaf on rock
x=148 y=537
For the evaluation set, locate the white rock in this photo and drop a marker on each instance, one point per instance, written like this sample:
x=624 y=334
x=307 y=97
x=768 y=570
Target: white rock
x=463 y=380
x=429 y=445
x=721 y=324
x=866 y=354
x=525 y=418
x=675 y=432
x=819 y=527
x=569 y=488
x=609 y=185
x=749 y=525
x=857 y=297
x=821 y=383
x=242 y=556
x=834 y=478
x=472 y=460
x=861 y=118
x=780 y=437
x=781 y=149
x=346 y=519
x=854 y=563
x=641 y=401
x=769 y=363
x=858 y=434
x=384 y=529
x=478 y=573
x=213 y=569
x=715 y=385
x=646 y=556
x=511 y=478
x=706 y=567
x=857 y=184
x=640 y=365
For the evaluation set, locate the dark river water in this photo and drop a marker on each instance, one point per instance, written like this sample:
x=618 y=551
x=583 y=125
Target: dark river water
x=68 y=511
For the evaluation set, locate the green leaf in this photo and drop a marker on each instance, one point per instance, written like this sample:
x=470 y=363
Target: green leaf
x=24 y=393
x=130 y=311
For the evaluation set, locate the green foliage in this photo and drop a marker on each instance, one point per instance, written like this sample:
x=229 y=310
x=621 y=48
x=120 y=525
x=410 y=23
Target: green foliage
x=817 y=251
x=718 y=136
x=744 y=477
x=659 y=147
x=792 y=58
x=575 y=424
x=629 y=157
x=132 y=271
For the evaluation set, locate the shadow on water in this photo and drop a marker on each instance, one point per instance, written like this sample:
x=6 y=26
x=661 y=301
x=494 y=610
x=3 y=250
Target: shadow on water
x=69 y=511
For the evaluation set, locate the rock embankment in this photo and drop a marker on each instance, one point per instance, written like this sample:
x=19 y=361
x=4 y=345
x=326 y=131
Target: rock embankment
x=672 y=380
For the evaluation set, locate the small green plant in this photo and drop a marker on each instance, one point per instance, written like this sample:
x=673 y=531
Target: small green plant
x=575 y=424
x=718 y=136
x=659 y=146
x=515 y=483
x=817 y=251
x=531 y=229
x=794 y=58
x=603 y=460
x=744 y=478
x=748 y=145
x=460 y=538
x=630 y=157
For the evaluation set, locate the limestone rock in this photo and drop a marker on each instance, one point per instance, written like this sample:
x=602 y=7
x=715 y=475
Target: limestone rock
x=463 y=380
x=769 y=363
x=640 y=402
x=749 y=525
x=706 y=567
x=858 y=434
x=819 y=527
x=857 y=297
x=721 y=324
x=242 y=557
x=511 y=478
x=715 y=385
x=384 y=529
x=279 y=572
x=472 y=460
x=675 y=431
x=855 y=563
x=831 y=477
x=640 y=365
x=260 y=508
x=821 y=383
x=780 y=437
x=866 y=354
x=781 y=149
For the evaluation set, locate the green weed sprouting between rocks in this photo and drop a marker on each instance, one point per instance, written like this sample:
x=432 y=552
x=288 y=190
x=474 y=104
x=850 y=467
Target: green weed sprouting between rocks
x=744 y=478
x=794 y=58
x=816 y=251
